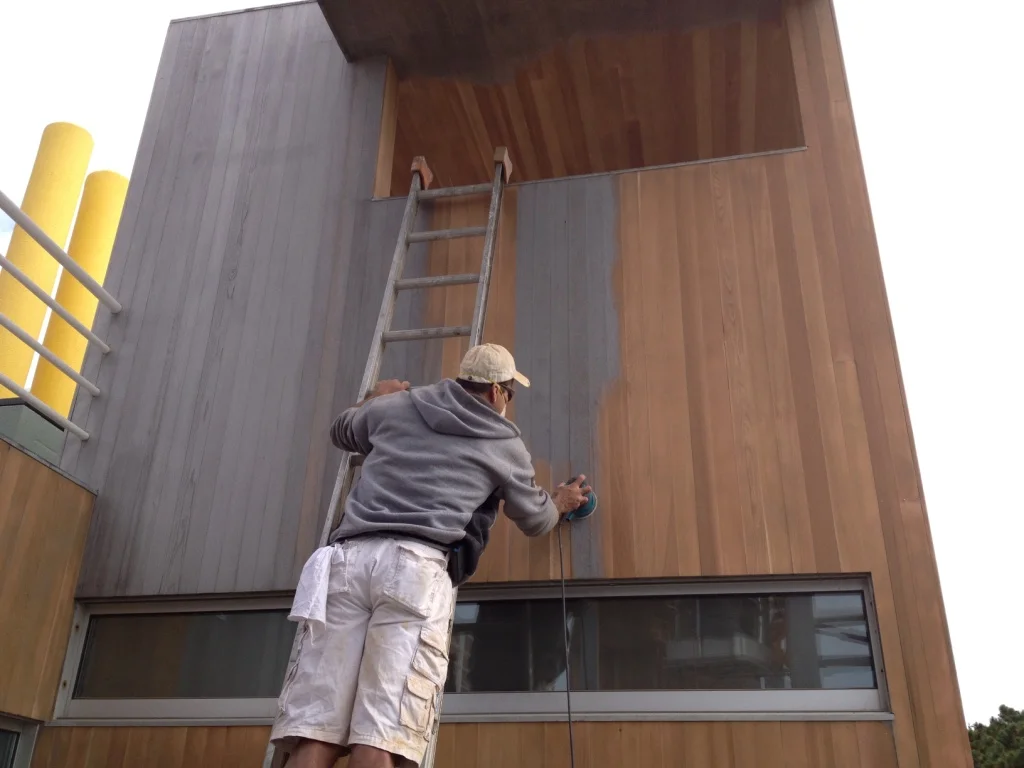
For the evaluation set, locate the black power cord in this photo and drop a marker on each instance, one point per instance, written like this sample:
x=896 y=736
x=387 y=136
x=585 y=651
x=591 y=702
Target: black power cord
x=565 y=636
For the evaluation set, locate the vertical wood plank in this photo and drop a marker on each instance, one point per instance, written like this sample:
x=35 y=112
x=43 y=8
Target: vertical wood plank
x=738 y=360
x=114 y=378
x=846 y=746
x=120 y=266
x=718 y=408
x=875 y=742
x=169 y=522
x=228 y=125
x=206 y=425
x=386 y=140
x=233 y=532
x=815 y=477
x=795 y=744
x=752 y=232
x=44 y=518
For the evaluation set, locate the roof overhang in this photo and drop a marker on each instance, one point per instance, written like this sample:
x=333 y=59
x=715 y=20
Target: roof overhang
x=485 y=40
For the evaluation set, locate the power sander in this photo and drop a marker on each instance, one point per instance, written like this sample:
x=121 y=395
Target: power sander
x=586 y=509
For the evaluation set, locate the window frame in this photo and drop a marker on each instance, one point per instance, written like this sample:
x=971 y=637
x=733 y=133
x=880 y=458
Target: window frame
x=71 y=711
x=803 y=705
x=27 y=731
x=772 y=705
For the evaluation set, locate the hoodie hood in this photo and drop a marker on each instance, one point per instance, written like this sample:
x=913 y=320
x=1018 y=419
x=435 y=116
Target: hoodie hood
x=450 y=410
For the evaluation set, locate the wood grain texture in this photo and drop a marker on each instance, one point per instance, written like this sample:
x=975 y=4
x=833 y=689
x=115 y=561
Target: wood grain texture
x=608 y=103
x=250 y=199
x=537 y=745
x=711 y=341
x=451 y=38
x=719 y=464
x=163 y=747
x=753 y=421
x=44 y=519
x=661 y=745
x=880 y=441
x=386 y=141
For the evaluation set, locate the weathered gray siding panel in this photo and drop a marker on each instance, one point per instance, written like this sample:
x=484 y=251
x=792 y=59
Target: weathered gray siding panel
x=249 y=202
x=567 y=330
x=237 y=530
x=251 y=263
x=120 y=374
x=175 y=328
x=186 y=456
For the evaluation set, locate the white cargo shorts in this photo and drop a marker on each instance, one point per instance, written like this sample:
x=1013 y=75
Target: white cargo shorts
x=374 y=674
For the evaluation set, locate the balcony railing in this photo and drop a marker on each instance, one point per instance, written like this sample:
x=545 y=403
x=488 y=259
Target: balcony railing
x=32 y=230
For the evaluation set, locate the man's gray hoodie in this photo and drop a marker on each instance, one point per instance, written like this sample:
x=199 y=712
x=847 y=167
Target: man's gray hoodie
x=433 y=456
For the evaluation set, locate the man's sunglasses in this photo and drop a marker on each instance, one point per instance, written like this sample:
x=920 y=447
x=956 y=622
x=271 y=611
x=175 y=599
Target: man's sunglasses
x=509 y=392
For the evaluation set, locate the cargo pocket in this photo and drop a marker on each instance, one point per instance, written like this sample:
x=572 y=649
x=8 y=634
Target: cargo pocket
x=431 y=659
x=414 y=580
x=418 y=699
x=293 y=670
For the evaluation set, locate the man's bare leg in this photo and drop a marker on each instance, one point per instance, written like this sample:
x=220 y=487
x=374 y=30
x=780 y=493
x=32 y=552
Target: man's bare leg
x=370 y=757
x=314 y=754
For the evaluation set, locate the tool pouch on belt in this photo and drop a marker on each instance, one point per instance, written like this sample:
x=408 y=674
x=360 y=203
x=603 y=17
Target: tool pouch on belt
x=464 y=556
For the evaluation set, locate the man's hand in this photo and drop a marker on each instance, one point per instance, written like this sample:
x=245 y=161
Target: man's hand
x=570 y=497
x=388 y=387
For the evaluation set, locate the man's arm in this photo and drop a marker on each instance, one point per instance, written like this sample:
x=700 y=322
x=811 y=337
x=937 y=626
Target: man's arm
x=351 y=430
x=530 y=507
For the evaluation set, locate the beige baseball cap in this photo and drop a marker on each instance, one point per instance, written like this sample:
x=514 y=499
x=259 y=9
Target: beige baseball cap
x=490 y=364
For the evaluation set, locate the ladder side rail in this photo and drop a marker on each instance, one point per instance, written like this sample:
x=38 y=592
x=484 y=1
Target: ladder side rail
x=493 y=214
x=372 y=370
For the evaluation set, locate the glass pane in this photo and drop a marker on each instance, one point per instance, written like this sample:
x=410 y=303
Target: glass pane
x=240 y=654
x=8 y=746
x=716 y=642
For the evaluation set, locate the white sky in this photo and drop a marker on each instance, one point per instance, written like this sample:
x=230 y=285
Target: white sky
x=937 y=94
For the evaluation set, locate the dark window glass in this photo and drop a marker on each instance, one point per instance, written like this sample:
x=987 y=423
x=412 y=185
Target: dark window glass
x=715 y=642
x=709 y=642
x=239 y=654
x=8 y=747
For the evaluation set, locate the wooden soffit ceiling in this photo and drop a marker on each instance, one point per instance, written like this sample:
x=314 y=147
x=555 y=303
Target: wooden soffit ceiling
x=486 y=40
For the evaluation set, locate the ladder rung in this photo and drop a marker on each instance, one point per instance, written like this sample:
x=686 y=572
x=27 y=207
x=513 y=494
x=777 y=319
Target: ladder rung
x=436 y=282
x=447 y=234
x=427 y=333
x=471 y=189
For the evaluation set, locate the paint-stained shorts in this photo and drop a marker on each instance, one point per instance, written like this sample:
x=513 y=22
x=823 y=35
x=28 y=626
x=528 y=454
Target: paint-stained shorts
x=373 y=676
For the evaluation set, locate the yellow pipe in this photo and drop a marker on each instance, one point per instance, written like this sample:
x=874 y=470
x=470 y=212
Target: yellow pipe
x=50 y=201
x=91 y=243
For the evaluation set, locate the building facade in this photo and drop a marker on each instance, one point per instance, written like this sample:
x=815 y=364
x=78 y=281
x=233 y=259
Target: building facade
x=687 y=270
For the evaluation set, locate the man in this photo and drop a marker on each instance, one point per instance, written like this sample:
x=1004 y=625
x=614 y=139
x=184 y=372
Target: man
x=376 y=603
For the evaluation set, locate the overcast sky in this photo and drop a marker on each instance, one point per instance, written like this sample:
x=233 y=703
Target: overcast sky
x=937 y=95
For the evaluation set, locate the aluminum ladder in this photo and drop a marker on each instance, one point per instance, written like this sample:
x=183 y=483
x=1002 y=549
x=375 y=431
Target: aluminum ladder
x=383 y=335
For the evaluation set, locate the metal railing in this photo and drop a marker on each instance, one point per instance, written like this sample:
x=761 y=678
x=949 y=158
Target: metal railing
x=32 y=230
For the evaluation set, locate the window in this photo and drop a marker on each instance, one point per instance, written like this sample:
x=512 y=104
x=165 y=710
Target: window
x=8 y=747
x=17 y=738
x=719 y=642
x=202 y=661
x=210 y=655
x=664 y=649
x=798 y=650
